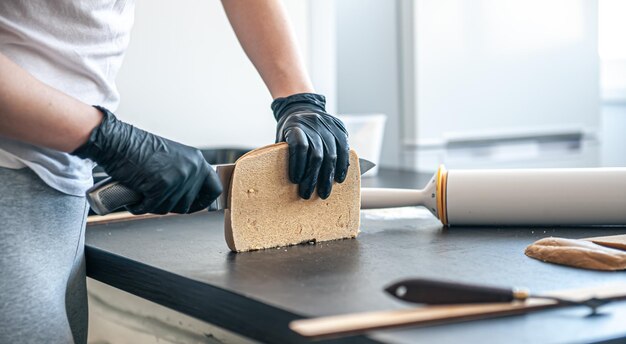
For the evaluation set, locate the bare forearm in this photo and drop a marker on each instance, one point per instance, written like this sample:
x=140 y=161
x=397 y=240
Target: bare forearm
x=264 y=31
x=33 y=112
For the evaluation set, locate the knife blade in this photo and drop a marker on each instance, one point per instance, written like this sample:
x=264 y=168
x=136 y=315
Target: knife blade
x=109 y=195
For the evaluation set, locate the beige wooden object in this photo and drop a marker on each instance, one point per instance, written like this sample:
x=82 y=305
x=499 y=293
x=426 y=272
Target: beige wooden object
x=265 y=211
x=441 y=314
x=614 y=241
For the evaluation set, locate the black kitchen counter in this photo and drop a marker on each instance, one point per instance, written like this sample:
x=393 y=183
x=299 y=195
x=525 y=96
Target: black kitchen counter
x=182 y=262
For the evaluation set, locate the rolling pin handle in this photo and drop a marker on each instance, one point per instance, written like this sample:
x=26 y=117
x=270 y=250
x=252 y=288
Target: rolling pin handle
x=375 y=198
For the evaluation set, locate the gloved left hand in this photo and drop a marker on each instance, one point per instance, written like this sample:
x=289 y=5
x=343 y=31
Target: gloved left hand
x=318 y=143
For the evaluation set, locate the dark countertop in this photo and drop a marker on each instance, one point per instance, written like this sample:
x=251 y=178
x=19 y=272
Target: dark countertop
x=182 y=262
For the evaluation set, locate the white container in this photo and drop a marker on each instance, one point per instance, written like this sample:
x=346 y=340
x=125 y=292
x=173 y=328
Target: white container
x=366 y=133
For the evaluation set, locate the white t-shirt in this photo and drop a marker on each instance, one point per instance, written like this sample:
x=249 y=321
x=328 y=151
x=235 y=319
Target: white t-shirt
x=76 y=47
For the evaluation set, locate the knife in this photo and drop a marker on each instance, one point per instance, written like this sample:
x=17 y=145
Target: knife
x=434 y=292
x=109 y=195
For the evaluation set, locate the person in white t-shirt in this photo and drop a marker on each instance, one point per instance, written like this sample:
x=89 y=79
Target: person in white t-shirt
x=58 y=61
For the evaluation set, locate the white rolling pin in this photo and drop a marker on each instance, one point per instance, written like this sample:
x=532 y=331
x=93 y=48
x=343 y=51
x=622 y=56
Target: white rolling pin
x=577 y=196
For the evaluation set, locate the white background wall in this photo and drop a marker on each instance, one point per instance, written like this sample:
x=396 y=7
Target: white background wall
x=186 y=77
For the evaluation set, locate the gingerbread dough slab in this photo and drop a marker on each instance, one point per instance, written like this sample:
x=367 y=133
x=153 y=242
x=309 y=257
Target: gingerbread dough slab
x=577 y=253
x=265 y=210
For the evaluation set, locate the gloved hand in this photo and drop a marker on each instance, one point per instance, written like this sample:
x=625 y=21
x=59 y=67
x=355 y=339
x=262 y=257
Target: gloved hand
x=171 y=177
x=318 y=143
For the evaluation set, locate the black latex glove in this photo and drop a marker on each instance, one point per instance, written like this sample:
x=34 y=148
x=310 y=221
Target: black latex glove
x=171 y=177
x=318 y=143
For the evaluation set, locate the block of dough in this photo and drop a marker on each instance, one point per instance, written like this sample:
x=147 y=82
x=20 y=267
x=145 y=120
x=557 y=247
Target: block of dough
x=265 y=211
x=577 y=253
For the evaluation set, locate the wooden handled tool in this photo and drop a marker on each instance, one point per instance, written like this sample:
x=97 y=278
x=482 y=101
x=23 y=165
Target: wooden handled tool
x=441 y=314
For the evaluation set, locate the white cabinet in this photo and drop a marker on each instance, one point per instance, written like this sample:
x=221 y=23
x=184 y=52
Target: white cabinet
x=502 y=83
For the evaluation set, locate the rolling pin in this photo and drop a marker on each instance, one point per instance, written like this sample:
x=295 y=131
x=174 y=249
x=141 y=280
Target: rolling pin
x=576 y=196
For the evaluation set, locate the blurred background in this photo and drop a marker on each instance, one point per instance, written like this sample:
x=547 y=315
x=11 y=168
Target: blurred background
x=483 y=83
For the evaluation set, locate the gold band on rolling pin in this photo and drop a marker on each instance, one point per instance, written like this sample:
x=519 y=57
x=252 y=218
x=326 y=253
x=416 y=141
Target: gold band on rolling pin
x=442 y=204
x=521 y=294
